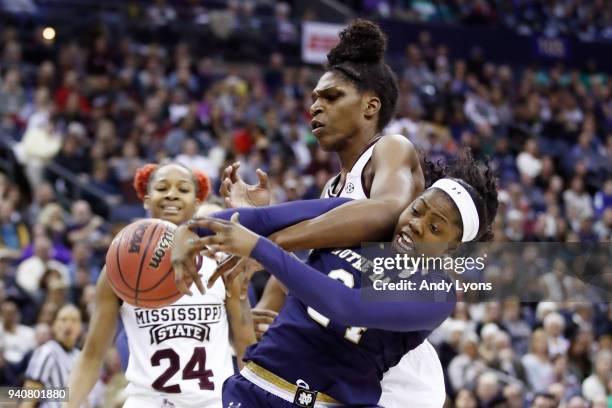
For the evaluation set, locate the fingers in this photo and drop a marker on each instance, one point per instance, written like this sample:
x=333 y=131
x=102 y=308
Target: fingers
x=235 y=217
x=263 y=178
x=236 y=270
x=213 y=224
x=225 y=266
x=226 y=188
x=264 y=315
x=244 y=286
x=232 y=173
x=262 y=319
x=180 y=279
x=199 y=284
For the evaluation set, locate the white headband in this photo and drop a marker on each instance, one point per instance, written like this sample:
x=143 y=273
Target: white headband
x=464 y=202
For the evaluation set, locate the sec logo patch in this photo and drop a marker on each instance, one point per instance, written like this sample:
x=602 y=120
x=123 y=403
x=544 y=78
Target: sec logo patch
x=350 y=187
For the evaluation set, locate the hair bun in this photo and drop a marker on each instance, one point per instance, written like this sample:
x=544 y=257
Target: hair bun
x=361 y=41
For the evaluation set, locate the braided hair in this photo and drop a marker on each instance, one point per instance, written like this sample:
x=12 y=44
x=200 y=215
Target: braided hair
x=145 y=174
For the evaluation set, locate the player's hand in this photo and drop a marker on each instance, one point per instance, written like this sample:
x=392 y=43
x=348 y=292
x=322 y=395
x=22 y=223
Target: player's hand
x=236 y=193
x=233 y=267
x=262 y=319
x=230 y=237
x=184 y=253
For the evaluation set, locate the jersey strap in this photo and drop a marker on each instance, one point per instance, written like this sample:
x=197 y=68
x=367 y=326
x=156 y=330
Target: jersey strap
x=297 y=394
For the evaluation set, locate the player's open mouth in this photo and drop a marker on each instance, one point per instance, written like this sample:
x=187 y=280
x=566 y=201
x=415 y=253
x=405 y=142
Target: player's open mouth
x=403 y=242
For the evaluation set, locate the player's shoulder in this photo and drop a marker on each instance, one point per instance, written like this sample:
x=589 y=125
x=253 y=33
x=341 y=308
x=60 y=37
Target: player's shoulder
x=394 y=143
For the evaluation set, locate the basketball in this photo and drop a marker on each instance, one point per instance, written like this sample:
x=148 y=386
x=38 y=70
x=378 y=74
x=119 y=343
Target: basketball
x=138 y=264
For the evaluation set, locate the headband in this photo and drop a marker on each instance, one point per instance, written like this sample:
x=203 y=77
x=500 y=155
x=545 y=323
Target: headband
x=464 y=202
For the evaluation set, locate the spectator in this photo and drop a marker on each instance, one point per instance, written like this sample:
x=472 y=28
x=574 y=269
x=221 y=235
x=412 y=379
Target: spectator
x=577 y=201
x=513 y=395
x=43 y=195
x=542 y=400
x=603 y=199
x=82 y=263
x=603 y=227
x=31 y=271
x=464 y=368
x=528 y=162
x=190 y=158
x=518 y=329
x=87 y=227
x=9 y=374
x=14 y=235
x=506 y=360
x=577 y=401
x=12 y=96
x=487 y=389
x=52 y=226
x=595 y=385
x=18 y=339
x=465 y=399
x=37 y=148
x=537 y=364
x=563 y=376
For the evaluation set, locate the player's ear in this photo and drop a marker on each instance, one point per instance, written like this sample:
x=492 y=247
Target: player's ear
x=371 y=105
x=146 y=202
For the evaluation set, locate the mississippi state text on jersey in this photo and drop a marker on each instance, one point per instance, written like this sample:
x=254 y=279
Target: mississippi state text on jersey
x=181 y=350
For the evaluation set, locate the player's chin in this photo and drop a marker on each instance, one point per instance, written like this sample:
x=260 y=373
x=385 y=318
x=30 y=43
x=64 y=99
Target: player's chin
x=175 y=218
x=327 y=141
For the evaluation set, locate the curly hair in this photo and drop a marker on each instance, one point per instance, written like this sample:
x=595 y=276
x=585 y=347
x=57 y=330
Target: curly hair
x=144 y=175
x=359 y=57
x=479 y=180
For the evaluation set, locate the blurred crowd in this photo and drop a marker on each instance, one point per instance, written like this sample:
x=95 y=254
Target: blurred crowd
x=587 y=20
x=79 y=116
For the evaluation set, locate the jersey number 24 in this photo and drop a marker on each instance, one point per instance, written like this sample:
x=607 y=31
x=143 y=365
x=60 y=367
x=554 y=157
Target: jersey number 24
x=195 y=369
x=352 y=334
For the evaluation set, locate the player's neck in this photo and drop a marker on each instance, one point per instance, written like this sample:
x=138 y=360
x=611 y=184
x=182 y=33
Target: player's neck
x=353 y=149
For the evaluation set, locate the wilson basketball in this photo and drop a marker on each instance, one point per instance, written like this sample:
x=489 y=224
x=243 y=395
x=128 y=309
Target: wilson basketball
x=138 y=264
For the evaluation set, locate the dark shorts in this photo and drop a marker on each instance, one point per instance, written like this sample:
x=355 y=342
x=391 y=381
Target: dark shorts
x=238 y=392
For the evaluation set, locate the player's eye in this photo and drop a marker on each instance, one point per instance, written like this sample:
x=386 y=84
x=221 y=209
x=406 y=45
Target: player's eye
x=434 y=229
x=414 y=211
x=184 y=190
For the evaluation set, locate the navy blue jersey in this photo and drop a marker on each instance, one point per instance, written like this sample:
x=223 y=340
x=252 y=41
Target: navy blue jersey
x=344 y=362
x=327 y=334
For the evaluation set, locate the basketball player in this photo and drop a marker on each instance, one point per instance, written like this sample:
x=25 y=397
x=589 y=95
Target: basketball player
x=329 y=346
x=352 y=103
x=171 y=364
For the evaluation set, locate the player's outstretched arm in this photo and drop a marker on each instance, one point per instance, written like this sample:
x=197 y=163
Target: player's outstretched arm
x=398 y=179
x=240 y=320
x=264 y=221
x=416 y=311
x=338 y=302
x=100 y=336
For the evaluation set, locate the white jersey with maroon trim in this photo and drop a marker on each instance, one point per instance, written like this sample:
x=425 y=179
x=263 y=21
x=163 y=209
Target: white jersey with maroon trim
x=180 y=354
x=417 y=380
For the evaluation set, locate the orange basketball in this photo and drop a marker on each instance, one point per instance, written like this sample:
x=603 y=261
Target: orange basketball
x=138 y=264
